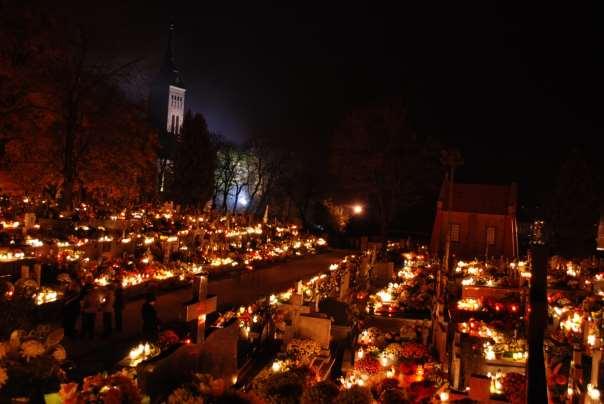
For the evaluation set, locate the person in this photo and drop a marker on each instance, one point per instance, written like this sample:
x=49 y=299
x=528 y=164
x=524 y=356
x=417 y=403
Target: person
x=118 y=305
x=90 y=306
x=71 y=309
x=150 y=320
x=107 y=307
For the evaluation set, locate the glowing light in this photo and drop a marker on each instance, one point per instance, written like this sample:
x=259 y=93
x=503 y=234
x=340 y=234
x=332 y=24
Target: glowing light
x=489 y=353
x=593 y=392
x=469 y=304
x=357 y=209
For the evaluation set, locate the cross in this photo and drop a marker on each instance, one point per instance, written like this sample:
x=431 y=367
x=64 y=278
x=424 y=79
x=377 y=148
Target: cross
x=199 y=306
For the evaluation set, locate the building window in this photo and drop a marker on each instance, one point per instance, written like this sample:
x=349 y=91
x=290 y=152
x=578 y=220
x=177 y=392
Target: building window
x=454 y=229
x=177 y=125
x=490 y=236
x=173 y=122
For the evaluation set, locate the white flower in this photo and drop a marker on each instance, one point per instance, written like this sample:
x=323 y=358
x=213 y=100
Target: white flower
x=3 y=377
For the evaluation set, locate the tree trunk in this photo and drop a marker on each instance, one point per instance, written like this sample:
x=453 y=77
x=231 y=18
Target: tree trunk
x=69 y=170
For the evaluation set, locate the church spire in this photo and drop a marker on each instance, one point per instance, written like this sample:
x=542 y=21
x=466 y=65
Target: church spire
x=169 y=69
x=170 y=50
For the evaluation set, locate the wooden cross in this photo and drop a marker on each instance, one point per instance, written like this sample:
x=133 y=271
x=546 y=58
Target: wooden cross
x=201 y=305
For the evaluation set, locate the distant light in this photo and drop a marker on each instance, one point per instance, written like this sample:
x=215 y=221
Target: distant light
x=243 y=201
x=357 y=209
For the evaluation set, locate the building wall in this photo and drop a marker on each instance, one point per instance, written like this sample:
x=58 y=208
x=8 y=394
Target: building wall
x=176 y=109
x=473 y=234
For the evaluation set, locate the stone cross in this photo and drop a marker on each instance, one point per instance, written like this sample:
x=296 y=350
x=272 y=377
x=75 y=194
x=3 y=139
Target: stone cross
x=596 y=356
x=201 y=305
x=344 y=284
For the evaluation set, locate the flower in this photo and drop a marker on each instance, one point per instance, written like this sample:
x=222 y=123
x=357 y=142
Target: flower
x=3 y=350
x=59 y=353
x=184 y=396
x=3 y=377
x=32 y=349
x=68 y=393
x=54 y=337
x=15 y=338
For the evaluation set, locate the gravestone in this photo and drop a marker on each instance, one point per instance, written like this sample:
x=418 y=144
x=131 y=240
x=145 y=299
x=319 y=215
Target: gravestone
x=316 y=327
x=216 y=356
x=29 y=221
x=294 y=311
x=480 y=388
x=38 y=273
x=383 y=272
x=344 y=284
x=24 y=272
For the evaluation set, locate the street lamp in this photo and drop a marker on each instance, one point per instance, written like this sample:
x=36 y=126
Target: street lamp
x=357 y=209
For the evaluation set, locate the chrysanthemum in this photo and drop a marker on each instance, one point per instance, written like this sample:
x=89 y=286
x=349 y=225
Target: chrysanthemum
x=32 y=349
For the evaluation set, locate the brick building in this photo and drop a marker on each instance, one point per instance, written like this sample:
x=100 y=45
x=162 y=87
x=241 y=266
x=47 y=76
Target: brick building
x=482 y=221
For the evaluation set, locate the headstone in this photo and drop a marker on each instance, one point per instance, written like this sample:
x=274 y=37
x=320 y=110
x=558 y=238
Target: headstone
x=315 y=327
x=383 y=272
x=297 y=299
x=595 y=365
x=197 y=309
x=344 y=284
x=336 y=310
x=364 y=242
x=38 y=273
x=480 y=388
x=218 y=355
x=25 y=272
x=294 y=311
x=29 y=221
x=455 y=372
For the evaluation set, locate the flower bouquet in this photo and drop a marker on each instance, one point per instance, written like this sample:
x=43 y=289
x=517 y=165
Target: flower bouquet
x=120 y=387
x=368 y=364
x=30 y=363
x=514 y=387
x=302 y=351
x=414 y=351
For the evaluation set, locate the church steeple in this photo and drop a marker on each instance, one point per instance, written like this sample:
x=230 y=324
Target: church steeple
x=169 y=69
x=170 y=49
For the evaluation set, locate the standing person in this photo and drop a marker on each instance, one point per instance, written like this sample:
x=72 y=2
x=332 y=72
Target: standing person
x=150 y=321
x=71 y=309
x=118 y=305
x=107 y=308
x=90 y=306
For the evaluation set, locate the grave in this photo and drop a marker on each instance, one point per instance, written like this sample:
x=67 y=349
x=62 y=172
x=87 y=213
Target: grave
x=200 y=306
x=383 y=272
x=316 y=327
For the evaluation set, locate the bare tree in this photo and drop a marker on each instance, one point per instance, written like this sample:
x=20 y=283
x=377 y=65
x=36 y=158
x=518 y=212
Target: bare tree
x=377 y=155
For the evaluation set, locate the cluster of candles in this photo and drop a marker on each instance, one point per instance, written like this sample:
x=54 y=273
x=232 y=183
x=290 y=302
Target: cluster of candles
x=140 y=353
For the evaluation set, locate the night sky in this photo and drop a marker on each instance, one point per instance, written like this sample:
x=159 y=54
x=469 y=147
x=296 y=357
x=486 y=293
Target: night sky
x=514 y=87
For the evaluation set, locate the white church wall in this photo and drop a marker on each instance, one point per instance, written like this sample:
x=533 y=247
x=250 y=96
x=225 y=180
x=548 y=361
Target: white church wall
x=176 y=109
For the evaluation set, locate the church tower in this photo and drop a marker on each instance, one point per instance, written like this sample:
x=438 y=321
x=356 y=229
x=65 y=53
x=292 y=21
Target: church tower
x=167 y=106
x=176 y=91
